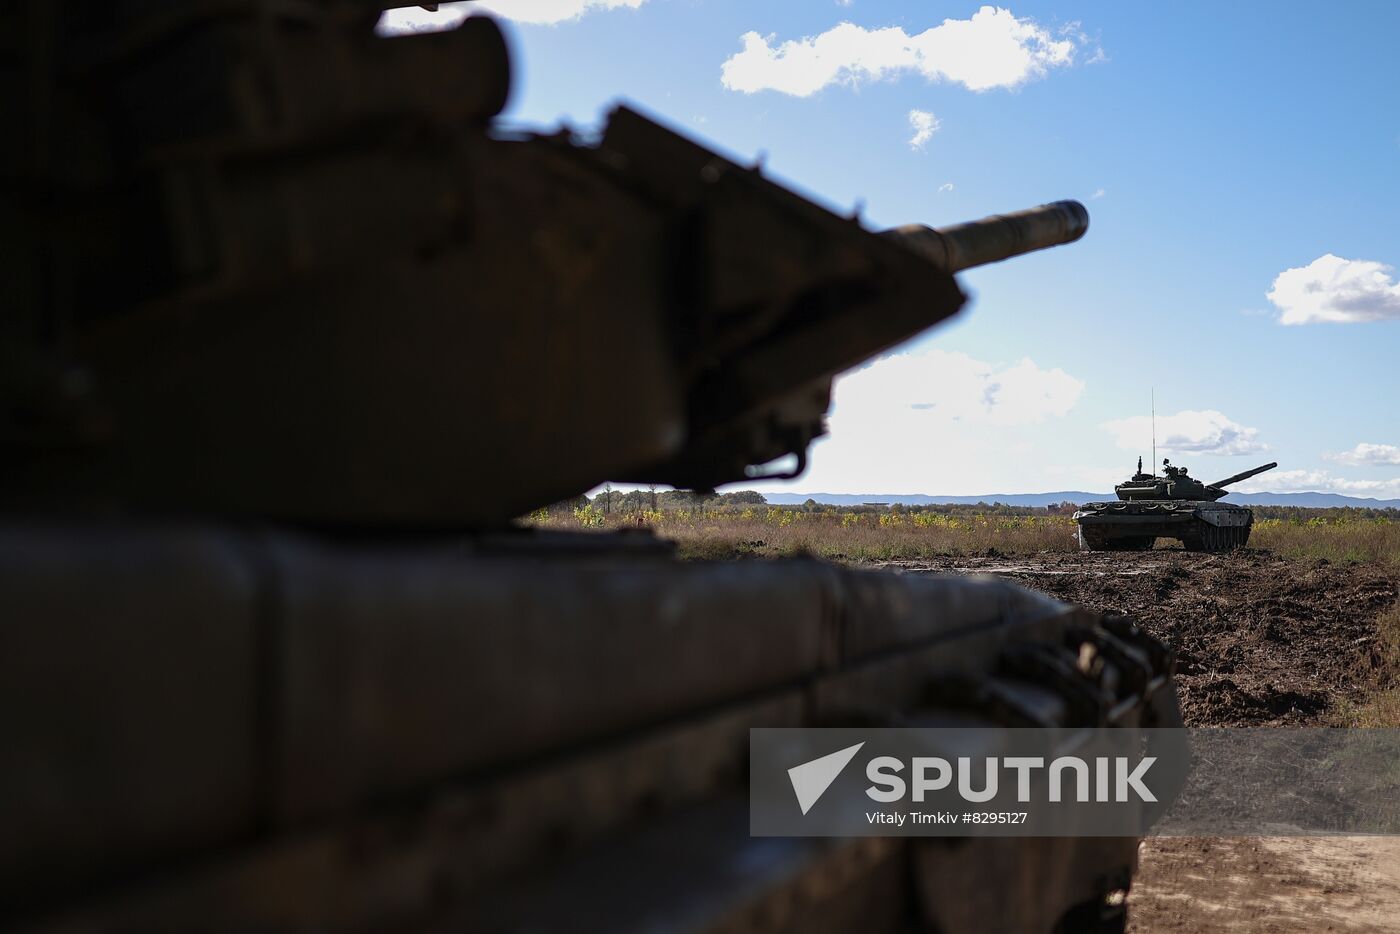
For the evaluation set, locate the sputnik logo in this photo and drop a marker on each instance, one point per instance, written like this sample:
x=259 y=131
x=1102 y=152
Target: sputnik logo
x=810 y=780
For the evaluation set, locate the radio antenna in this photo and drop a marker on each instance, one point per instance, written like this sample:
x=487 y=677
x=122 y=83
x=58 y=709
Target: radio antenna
x=1154 y=431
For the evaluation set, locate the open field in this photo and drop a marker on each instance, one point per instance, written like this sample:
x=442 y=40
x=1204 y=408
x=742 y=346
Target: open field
x=868 y=534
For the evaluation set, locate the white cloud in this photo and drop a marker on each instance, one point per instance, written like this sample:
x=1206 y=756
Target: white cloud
x=546 y=12
x=924 y=125
x=1368 y=455
x=1332 y=289
x=993 y=49
x=1098 y=193
x=407 y=20
x=1187 y=432
x=1318 y=481
x=940 y=422
x=946 y=186
x=935 y=386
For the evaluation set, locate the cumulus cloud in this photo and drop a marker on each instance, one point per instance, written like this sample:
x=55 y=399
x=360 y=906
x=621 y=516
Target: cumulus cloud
x=1098 y=193
x=1187 y=432
x=546 y=12
x=993 y=49
x=1368 y=455
x=931 y=420
x=924 y=125
x=946 y=186
x=1318 y=481
x=919 y=389
x=1332 y=289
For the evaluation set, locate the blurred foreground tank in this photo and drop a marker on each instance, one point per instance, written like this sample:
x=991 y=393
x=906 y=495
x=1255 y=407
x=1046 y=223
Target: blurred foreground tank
x=1174 y=505
x=293 y=330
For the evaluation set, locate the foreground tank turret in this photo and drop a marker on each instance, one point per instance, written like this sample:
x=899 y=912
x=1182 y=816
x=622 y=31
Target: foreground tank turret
x=1173 y=505
x=294 y=329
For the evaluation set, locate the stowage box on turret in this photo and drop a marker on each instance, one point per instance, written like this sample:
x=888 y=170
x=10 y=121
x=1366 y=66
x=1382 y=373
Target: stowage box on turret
x=1174 y=505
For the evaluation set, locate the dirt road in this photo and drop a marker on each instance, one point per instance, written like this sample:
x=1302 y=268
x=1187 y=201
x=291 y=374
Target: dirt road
x=1260 y=640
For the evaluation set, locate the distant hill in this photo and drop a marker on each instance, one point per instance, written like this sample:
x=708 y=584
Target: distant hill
x=1310 y=500
x=1306 y=500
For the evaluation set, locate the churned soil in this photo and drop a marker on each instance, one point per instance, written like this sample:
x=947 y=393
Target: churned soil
x=1260 y=640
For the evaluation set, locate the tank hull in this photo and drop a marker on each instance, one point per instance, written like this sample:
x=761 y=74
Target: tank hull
x=1199 y=525
x=487 y=733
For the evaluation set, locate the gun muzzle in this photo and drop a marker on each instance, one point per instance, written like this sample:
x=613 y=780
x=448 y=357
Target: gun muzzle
x=995 y=238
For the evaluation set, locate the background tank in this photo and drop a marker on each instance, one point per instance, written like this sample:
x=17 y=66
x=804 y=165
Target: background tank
x=1174 y=505
x=292 y=331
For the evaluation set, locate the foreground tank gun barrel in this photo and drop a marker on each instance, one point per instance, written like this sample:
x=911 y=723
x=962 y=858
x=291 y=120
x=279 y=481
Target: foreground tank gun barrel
x=1244 y=475
x=767 y=394
x=740 y=300
x=992 y=239
x=296 y=332
x=786 y=296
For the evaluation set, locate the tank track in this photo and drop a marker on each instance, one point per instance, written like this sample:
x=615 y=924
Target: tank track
x=1136 y=526
x=1209 y=537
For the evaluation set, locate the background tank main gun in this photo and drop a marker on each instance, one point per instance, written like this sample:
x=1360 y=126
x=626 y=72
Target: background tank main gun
x=1242 y=475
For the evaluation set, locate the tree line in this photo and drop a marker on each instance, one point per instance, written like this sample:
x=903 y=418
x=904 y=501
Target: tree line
x=608 y=500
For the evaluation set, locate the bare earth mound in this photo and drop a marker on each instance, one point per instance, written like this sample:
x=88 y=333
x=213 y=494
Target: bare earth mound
x=1260 y=640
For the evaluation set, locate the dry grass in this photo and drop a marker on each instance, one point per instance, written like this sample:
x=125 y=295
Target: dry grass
x=837 y=534
x=863 y=534
x=1337 y=540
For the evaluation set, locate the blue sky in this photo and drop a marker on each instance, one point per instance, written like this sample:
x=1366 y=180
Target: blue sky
x=1217 y=146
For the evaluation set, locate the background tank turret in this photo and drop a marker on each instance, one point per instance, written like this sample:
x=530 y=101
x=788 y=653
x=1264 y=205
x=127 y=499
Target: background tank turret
x=1173 y=505
x=293 y=330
